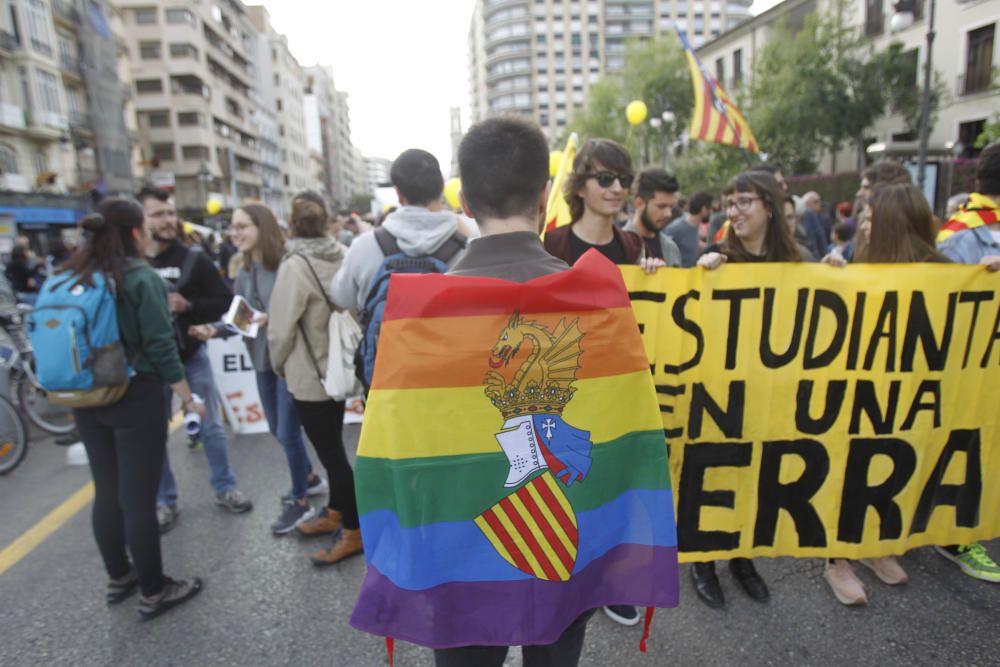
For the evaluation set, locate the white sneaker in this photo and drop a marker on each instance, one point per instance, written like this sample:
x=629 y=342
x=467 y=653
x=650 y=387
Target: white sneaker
x=76 y=455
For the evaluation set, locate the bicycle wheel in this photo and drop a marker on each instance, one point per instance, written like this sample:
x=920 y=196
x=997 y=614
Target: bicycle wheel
x=55 y=419
x=13 y=436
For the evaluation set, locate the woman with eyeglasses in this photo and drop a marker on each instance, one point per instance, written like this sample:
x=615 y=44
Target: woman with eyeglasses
x=596 y=192
x=758 y=232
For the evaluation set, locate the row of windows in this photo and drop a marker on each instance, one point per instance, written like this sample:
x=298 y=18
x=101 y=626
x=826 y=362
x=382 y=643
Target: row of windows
x=174 y=16
x=10 y=164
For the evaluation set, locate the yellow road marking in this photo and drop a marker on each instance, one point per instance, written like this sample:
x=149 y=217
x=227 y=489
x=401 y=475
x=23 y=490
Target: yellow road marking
x=55 y=519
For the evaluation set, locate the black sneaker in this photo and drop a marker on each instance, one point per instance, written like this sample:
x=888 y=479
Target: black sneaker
x=175 y=592
x=292 y=514
x=314 y=487
x=121 y=589
x=622 y=613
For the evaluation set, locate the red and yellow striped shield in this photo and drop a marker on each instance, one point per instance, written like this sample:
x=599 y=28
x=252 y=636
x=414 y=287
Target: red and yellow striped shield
x=534 y=529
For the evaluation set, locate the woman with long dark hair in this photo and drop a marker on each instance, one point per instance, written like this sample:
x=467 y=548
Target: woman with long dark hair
x=298 y=337
x=126 y=440
x=758 y=232
x=259 y=239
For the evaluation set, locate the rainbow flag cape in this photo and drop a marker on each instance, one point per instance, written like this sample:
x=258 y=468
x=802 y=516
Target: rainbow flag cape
x=977 y=212
x=557 y=211
x=715 y=117
x=512 y=471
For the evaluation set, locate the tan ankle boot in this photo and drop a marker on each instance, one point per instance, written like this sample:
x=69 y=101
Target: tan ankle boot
x=348 y=544
x=325 y=523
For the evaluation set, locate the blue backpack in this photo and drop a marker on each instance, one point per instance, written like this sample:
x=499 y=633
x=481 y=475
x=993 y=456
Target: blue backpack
x=394 y=261
x=79 y=357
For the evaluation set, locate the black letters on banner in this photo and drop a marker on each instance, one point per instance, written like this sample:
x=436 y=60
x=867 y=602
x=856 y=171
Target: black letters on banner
x=932 y=387
x=865 y=399
x=689 y=326
x=229 y=364
x=804 y=423
x=735 y=298
x=858 y=496
x=963 y=497
x=885 y=327
x=729 y=422
x=794 y=497
x=975 y=298
x=768 y=356
x=692 y=495
x=918 y=326
x=831 y=301
x=993 y=339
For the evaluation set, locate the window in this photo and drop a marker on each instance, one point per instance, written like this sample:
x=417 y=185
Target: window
x=149 y=86
x=979 y=59
x=183 y=51
x=48 y=91
x=720 y=71
x=38 y=26
x=149 y=50
x=179 y=16
x=158 y=118
x=195 y=152
x=163 y=152
x=278 y=105
x=41 y=164
x=67 y=51
x=737 y=67
x=874 y=17
x=8 y=159
x=967 y=135
x=189 y=119
x=145 y=15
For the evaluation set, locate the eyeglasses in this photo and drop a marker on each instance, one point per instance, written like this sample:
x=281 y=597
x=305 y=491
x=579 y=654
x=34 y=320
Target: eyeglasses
x=742 y=203
x=606 y=178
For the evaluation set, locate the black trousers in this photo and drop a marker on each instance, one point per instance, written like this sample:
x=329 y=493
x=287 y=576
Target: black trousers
x=125 y=443
x=324 y=424
x=564 y=652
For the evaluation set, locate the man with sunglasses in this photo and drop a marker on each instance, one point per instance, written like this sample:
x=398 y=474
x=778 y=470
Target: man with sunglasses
x=596 y=192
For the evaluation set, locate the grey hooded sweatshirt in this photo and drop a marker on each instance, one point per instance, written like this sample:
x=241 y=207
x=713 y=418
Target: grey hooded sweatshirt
x=418 y=232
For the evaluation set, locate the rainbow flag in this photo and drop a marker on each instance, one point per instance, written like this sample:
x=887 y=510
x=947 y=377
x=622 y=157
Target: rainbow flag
x=512 y=471
x=715 y=117
x=977 y=212
x=557 y=210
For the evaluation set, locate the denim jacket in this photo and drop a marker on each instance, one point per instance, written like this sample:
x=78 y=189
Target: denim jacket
x=970 y=245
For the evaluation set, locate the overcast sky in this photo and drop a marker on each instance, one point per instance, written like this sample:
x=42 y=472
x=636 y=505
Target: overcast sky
x=403 y=62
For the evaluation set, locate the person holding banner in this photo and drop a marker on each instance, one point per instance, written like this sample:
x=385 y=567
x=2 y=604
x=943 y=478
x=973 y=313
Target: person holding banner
x=758 y=232
x=299 y=342
x=259 y=239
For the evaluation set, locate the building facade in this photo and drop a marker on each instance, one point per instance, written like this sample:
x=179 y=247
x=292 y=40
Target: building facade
x=539 y=57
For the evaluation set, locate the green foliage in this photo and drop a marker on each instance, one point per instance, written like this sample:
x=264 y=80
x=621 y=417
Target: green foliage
x=709 y=166
x=990 y=133
x=603 y=115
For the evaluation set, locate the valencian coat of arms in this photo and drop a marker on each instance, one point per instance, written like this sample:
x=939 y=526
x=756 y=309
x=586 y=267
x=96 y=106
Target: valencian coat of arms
x=534 y=527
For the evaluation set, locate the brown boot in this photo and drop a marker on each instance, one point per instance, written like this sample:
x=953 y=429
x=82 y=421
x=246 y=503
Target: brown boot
x=348 y=544
x=324 y=523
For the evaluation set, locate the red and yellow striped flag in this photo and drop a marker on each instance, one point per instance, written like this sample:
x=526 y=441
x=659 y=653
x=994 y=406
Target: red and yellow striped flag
x=715 y=117
x=557 y=210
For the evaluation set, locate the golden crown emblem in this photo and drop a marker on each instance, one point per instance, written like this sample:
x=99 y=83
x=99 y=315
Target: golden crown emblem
x=543 y=382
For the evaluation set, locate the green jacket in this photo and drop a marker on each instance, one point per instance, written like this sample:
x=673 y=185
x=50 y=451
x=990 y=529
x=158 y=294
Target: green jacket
x=146 y=327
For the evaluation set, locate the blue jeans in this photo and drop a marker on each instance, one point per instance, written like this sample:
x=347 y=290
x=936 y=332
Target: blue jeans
x=198 y=371
x=283 y=422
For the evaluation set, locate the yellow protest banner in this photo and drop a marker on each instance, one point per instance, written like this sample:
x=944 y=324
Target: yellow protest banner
x=815 y=411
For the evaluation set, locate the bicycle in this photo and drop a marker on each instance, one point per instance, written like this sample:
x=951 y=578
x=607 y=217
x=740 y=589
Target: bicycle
x=18 y=358
x=13 y=436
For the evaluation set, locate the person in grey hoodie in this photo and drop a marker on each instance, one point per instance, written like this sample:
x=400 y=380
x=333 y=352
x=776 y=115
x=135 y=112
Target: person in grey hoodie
x=420 y=227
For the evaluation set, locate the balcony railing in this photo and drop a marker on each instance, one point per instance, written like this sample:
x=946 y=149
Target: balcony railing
x=8 y=42
x=65 y=10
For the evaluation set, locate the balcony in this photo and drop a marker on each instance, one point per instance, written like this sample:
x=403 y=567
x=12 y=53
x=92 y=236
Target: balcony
x=64 y=11
x=8 y=42
x=80 y=121
x=12 y=116
x=71 y=67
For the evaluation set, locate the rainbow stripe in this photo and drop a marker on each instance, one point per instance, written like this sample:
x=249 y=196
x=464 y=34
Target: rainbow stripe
x=457 y=558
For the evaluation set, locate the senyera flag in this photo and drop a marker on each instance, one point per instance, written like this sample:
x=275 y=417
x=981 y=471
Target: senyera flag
x=715 y=117
x=979 y=211
x=557 y=211
x=512 y=471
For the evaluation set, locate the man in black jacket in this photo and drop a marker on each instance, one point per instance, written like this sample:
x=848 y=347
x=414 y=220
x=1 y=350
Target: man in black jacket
x=197 y=294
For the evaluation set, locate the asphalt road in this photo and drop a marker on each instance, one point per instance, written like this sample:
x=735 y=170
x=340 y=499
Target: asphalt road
x=265 y=604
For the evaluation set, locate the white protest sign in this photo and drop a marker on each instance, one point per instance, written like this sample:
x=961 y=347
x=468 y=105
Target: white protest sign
x=237 y=385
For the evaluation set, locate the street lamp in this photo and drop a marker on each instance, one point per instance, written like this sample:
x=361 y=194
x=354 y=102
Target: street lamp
x=902 y=18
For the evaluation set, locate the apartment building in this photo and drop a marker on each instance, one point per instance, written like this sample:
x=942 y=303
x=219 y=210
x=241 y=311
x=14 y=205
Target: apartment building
x=328 y=129
x=193 y=75
x=965 y=55
x=281 y=83
x=378 y=172
x=60 y=98
x=539 y=57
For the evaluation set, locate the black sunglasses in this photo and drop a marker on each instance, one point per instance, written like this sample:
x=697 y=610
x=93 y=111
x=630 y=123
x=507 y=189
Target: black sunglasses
x=606 y=178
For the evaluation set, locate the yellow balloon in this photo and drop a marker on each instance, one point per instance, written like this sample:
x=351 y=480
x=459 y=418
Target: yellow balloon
x=187 y=227
x=635 y=112
x=451 y=189
x=555 y=157
x=213 y=206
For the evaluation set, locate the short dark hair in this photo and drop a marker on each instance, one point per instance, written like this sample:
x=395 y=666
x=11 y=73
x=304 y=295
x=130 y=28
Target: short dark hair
x=417 y=174
x=652 y=181
x=610 y=154
x=150 y=192
x=843 y=232
x=699 y=200
x=504 y=163
x=886 y=171
x=313 y=196
x=309 y=218
x=988 y=171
